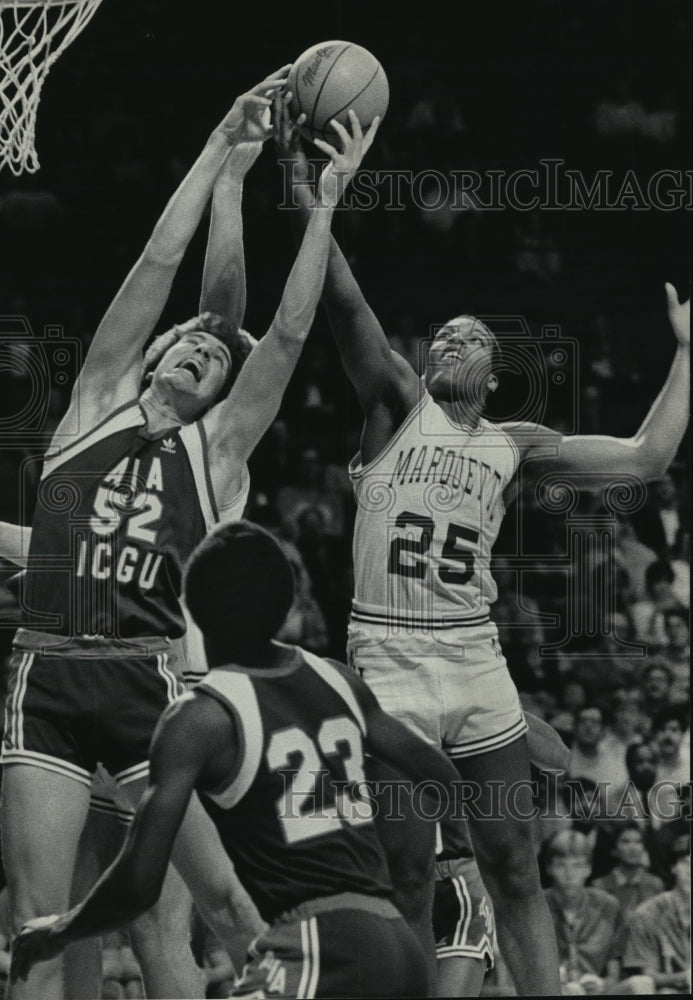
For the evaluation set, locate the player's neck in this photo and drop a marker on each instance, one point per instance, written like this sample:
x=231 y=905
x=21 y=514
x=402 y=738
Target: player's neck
x=269 y=656
x=161 y=416
x=463 y=414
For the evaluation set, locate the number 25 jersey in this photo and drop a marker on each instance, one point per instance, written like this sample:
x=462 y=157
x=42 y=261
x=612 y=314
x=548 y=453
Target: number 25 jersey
x=429 y=508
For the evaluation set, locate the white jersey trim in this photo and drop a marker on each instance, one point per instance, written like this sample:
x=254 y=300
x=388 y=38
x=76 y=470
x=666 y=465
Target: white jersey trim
x=130 y=415
x=338 y=683
x=238 y=691
x=191 y=438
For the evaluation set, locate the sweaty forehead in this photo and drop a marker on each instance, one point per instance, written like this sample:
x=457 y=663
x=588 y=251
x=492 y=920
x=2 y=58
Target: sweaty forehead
x=465 y=326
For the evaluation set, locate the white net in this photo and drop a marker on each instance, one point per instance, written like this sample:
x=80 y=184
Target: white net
x=33 y=33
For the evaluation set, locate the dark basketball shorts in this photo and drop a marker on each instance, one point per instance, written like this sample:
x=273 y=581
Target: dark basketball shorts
x=463 y=923
x=342 y=947
x=72 y=703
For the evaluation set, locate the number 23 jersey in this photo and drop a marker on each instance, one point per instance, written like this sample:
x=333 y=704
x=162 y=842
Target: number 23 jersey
x=429 y=509
x=296 y=817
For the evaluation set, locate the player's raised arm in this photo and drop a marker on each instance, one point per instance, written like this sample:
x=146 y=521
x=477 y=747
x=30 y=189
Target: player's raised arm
x=133 y=882
x=650 y=452
x=376 y=373
x=111 y=371
x=223 y=279
x=235 y=426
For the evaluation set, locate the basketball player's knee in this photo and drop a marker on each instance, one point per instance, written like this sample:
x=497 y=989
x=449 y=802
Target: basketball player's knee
x=161 y=928
x=511 y=867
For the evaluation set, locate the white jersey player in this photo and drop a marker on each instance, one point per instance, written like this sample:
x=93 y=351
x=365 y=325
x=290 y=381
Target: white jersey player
x=419 y=634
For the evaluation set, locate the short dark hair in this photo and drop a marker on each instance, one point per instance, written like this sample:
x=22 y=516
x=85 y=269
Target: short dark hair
x=239 y=587
x=239 y=343
x=660 y=665
x=675 y=712
x=625 y=826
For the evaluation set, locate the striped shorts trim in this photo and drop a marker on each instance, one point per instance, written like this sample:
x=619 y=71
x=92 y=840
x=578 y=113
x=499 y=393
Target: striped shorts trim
x=460 y=946
x=310 y=972
x=486 y=745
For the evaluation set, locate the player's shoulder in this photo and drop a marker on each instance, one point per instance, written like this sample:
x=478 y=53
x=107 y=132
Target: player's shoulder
x=361 y=690
x=193 y=718
x=528 y=436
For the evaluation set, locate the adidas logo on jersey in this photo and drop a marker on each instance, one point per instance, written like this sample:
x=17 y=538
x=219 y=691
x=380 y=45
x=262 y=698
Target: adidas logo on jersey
x=169 y=446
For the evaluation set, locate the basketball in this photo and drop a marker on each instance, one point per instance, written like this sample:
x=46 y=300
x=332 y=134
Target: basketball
x=331 y=78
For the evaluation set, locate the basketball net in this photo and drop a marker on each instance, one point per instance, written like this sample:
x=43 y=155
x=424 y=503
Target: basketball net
x=33 y=33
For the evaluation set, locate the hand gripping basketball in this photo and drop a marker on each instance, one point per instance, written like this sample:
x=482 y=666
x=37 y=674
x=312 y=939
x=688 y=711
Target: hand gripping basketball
x=343 y=165
x=287 y=137
x=249 y=118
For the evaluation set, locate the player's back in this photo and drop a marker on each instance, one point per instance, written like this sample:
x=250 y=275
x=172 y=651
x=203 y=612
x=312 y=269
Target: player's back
x=292 y=817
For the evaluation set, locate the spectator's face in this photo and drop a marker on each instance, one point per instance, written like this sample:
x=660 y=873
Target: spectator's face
x=627 y=710
x=569 y=872
x=681 y=870
x=662 y=593
x=573 y=697
x=678 y=632
x=642 y=767
x=588 y=727
x=669 y=738
x=629 y=848
x=657 y=685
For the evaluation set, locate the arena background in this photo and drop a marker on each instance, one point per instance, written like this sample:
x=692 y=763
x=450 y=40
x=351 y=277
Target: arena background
x=599 y=86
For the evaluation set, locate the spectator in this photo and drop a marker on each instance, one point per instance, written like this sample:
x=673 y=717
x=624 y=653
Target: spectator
x=678 y=652
x=572 y=697
x=634 y=556
x=659 y=522
x=304 y=624
x=648 y=615
x=587 y=920
x=673 y=766
x=326 y=558
x=656 y=681
x=658 y=933
x=311 y=490
x=629 y=881
x=591 y=757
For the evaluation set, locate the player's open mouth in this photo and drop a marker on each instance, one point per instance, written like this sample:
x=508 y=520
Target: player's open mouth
x=193 y=367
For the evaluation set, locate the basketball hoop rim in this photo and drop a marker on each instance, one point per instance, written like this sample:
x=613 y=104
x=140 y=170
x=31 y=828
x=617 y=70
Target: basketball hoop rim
x=44 y=3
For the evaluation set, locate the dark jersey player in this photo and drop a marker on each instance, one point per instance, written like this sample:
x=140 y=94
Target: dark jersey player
x=146 y=459
x=273 y=740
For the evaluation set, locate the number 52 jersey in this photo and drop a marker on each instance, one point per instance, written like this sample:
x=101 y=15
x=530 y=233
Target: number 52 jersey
x=429 y=508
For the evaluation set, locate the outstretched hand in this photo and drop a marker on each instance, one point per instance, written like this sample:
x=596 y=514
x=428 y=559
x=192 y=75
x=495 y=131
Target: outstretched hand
x=679 y=315
x=343 y=165
x=287 y=137
x=248 y=121
x=36 y=942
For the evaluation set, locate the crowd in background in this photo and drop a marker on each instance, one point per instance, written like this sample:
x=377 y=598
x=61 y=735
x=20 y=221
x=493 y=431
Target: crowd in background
x=617 y=690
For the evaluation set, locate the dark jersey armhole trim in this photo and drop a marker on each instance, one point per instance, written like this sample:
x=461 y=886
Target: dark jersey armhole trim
x=236 y=721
